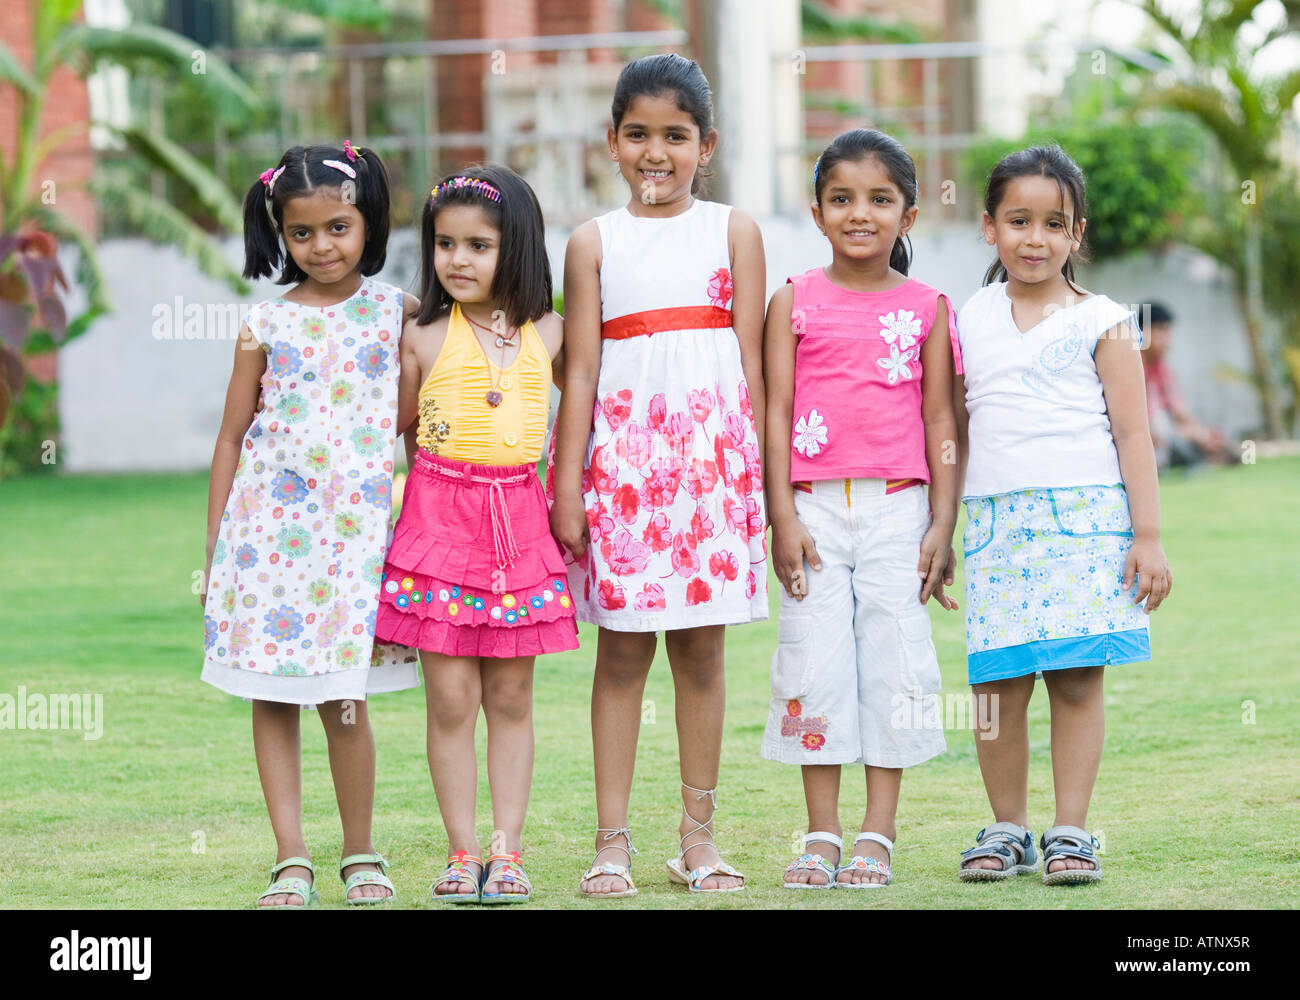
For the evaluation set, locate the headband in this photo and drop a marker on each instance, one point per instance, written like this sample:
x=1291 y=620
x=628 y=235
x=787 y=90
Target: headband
x=479 y=187
x=816 y=168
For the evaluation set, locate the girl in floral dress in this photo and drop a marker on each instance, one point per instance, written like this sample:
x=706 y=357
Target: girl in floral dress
x=860 y=361
x=657 y=485
x=300 y=498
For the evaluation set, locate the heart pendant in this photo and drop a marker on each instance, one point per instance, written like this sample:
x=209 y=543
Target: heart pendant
x=493 y=398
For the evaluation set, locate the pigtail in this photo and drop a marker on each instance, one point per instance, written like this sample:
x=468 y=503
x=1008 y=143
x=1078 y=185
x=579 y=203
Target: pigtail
x=900 y=257
x=434 y=300
x=372 y=200
x=262 y=250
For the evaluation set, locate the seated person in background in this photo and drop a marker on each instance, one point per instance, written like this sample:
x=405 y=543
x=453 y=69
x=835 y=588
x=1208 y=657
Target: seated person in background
x=1179 y=438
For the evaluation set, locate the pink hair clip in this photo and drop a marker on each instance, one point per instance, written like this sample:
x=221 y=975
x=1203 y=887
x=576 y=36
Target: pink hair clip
x=349 y=151
x=269 y=176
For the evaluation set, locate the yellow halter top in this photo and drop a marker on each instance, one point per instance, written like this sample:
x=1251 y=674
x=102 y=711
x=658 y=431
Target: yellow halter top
x=455 y=419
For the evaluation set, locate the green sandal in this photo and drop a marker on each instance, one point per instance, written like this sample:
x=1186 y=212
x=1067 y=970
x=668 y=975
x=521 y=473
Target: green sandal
x=379 y=878
x=296 y=886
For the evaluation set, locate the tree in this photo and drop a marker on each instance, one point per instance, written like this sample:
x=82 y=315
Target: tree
x=1215 y=78
x=32 y=316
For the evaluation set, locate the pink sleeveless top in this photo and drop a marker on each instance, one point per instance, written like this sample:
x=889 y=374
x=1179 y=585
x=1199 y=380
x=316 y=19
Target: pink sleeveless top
x=857 y=379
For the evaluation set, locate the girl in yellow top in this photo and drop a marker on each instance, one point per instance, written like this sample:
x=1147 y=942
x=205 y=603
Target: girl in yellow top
x=473 y=578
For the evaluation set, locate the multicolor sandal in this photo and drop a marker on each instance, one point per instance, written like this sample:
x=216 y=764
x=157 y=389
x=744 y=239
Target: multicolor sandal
x=512 y=871
x=1011 y=844
x=1061 y=842
x=296 y=886
x=363 y=877
x=456 y=872
x=677 y=870
x=865 y=863
x=815 y=862
x=622 y=871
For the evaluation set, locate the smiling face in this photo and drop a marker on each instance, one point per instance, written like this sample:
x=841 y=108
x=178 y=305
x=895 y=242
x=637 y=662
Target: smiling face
x=862 y=211
x=658 y=148
x=465 y=248
x=1034 y=230
x=324 y=235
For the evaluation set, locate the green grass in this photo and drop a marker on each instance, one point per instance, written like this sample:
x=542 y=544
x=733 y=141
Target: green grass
x=1196 y=807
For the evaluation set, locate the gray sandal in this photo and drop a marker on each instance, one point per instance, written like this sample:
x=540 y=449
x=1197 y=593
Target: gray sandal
x=1061 y=842
x=1011 y=844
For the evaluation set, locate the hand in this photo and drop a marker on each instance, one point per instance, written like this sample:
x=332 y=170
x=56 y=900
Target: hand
x=1147 y=566
x=791 y=547
x=569 y=526
x=936 y=566
x=207 y=575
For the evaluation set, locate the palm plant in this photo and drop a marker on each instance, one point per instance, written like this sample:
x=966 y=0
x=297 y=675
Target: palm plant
x=31 y=281
x=1219 y=82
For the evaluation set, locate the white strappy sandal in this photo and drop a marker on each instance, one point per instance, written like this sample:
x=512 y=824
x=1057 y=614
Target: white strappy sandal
x=864 y=863
x=677 y=870
x=608 y=868
x=815 y=862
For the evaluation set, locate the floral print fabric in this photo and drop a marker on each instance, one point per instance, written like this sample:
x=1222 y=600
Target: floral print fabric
x=295 y=575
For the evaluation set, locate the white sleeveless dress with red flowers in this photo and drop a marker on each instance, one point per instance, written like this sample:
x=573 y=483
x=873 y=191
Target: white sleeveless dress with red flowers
x=672 y=483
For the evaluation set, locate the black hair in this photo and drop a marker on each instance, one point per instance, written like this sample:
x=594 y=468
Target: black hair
x=1038 y=161
x=858 y=144
x=302 y=170
x=669 y=73
x=521 y=285
x=1157 y=312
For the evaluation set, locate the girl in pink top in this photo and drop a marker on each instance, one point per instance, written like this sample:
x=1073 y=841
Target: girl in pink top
x=859 y=417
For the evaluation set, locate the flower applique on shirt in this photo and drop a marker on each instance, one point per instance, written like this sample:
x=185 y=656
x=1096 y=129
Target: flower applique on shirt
x=811 y=433
x=901 y=328
x=897 y=365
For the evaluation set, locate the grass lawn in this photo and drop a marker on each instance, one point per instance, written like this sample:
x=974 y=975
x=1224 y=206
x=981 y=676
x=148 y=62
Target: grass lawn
x=1196 y=804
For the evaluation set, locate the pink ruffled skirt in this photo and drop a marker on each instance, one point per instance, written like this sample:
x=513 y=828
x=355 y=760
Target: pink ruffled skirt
x=473 y=569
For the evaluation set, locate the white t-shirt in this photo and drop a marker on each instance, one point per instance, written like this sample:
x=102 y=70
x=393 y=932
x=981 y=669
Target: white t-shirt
x=1037 y=411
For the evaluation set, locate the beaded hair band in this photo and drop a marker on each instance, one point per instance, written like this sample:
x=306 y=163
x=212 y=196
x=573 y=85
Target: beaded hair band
x=471 y=183
x=269 y=176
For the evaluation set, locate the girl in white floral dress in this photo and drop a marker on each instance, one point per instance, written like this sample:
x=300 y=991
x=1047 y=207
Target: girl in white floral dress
x=300 y=498
x=658 y=490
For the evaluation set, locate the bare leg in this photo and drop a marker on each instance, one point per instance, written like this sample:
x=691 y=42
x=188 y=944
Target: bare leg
x=452 y=694
x=352 y=763
x=696 y=657
x=821 y=790
x=508 y=708
x=1078 y=732
x=622 y=663
x=883 y=784
x=279 y=765
x=1004 y=761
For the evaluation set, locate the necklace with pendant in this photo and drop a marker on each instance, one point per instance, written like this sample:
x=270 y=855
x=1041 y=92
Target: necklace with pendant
x=493 y=396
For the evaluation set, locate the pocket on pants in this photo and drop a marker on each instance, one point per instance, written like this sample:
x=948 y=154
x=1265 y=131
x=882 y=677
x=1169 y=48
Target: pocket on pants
x=792 y=663
x=920 y=662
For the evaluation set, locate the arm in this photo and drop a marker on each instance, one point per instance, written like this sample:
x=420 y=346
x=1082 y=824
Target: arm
x=748 y=286
x=1120 y=369
x=581 y=375
x=411 y=377
x=551 y=329
x=791 y=543
x=941 y=455
x=242 y=399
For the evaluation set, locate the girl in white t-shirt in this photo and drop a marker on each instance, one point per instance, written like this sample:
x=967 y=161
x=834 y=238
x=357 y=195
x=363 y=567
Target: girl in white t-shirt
x=1062 y=543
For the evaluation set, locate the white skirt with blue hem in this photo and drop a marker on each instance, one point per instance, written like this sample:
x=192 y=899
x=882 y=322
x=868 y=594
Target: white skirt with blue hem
x=1044 y=583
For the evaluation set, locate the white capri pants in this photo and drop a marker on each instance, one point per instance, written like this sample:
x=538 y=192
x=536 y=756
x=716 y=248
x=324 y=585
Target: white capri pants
x=855 y=678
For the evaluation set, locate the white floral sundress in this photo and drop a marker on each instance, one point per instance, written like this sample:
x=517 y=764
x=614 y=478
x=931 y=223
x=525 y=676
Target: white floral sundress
x=294 y=588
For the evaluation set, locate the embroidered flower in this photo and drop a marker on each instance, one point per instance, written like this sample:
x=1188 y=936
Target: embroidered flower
x=611 y=596
x=624 y=554
x=377 y=490
x=282 y=623
x=896 y=365
x=813 y=741
x=698 y=592
x=285 y=359
x=901 y=328
x=794 y=707
x=288 y=487
x=651 y=598
x=372 y=361
x=720 y=287
x=811 y=434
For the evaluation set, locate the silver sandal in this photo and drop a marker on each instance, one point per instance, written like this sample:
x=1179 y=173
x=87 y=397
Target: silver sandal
x=1011 y=844
x=1061 y=842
